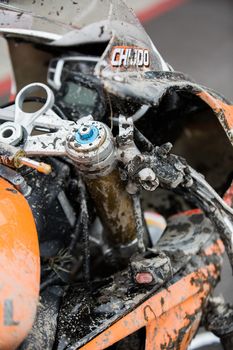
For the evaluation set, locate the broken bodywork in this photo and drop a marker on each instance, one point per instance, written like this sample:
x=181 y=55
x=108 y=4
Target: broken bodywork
x=104 y=284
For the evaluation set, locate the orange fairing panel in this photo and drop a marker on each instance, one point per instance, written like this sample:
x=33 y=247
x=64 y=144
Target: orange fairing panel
x=223 y=111
x=19 y=267
x=167 y=312
x=171 y=317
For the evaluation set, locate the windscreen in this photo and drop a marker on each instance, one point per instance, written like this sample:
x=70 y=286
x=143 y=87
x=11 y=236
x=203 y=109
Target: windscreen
x=130 y=50
x=71 y=23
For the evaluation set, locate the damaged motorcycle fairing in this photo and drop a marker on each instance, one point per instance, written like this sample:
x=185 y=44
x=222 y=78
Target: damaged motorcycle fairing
x=157 y=85
x=55 y=27
x=117 y=307
x=56 y=24
x=143 y=85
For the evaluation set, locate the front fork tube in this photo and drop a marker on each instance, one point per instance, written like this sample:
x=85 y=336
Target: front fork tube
x=119 y=211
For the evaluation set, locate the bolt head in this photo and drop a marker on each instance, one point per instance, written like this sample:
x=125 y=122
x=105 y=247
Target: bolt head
x=85 y=132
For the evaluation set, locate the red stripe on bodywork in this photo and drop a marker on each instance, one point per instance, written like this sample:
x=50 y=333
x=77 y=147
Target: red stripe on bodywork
x=156 y=10
x=5 y=86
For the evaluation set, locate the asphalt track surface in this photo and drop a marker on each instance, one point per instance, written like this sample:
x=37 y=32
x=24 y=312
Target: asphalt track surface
x=196 y=37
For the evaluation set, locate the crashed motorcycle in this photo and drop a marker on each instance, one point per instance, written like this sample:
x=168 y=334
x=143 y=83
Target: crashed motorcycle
x=115 y=187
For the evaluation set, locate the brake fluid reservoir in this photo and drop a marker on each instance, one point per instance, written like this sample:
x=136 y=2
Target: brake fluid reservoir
x=92 y=148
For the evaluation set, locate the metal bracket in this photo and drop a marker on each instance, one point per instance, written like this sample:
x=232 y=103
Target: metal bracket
x=127 y=151
x=12 y=131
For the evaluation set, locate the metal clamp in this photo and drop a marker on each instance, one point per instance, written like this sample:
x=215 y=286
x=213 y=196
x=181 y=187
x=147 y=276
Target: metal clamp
x=26 y=119
x=11 y=132
x=127 y=150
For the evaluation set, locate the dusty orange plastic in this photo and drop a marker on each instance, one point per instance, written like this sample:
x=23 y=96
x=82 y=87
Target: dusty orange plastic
x=19 y=267
x=171 y=317
x=223 y=110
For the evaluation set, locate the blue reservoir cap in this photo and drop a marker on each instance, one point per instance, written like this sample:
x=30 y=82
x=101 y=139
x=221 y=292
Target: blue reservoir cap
x=86 y=134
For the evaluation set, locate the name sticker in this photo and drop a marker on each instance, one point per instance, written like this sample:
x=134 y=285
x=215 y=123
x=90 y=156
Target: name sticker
x=129 y=56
